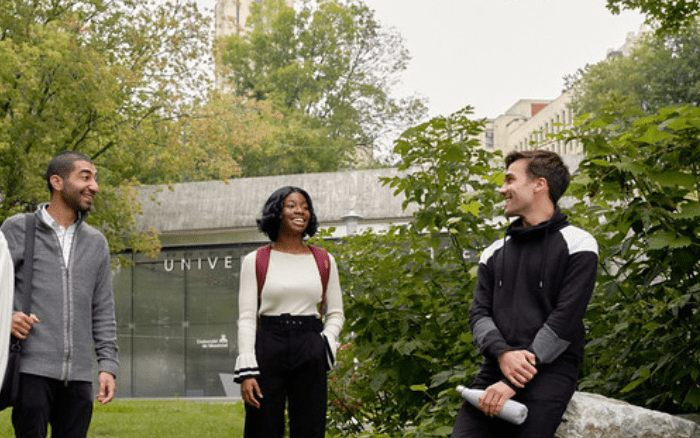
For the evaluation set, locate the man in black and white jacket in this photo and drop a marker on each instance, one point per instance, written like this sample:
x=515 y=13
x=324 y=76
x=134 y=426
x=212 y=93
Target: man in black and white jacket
x=526 y=317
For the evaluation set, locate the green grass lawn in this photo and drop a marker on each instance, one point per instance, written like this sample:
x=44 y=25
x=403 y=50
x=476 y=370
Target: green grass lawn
x=157 y=418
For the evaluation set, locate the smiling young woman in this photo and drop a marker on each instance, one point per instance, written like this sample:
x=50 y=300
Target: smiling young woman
x=286 y=341
x=296 y=215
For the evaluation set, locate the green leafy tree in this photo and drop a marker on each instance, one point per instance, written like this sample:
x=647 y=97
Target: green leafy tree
x=408 y=290
x=231 y=127
x=329 y=68
x=659 y=71
x=111 y=79
x=641 y=181
x=669 y=16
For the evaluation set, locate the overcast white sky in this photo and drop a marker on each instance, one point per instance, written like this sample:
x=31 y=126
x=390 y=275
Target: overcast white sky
x=490 y=53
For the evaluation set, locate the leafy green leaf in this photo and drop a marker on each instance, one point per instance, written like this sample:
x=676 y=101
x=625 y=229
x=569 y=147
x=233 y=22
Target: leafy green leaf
x=471 y=208
x=692 y=398
x=667 y=239
x=688 y=210
x=672 y=179
x=419 y=388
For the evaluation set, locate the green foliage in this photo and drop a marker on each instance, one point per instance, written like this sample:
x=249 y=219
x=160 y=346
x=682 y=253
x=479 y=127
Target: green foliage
x=659 y=71
x=329 y=69
x=111 y=79
x=669 y=16
x=296 y=144
x=408 y=290
x=641 y=180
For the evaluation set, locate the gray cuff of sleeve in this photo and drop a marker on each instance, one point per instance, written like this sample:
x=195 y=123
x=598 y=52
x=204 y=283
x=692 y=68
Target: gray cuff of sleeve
x=547 y=346
x=483 y=327
x=109 y=366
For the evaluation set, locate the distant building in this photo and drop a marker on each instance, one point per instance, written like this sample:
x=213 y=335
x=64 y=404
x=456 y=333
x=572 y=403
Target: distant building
x=177 y=314
x=528 y=123
x=230 y=16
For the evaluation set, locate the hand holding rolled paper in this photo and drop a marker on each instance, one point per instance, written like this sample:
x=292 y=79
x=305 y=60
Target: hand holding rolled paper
x=512 y=411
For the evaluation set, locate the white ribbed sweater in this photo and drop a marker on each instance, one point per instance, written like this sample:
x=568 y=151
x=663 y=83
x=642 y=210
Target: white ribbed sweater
x=292 y=285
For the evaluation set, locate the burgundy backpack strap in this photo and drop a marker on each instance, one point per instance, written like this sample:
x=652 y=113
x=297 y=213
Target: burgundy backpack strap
x=262 y=261
x=323 y=262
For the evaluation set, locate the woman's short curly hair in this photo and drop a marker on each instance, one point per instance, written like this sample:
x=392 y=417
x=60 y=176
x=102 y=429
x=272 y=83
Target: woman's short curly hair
x=271 y=218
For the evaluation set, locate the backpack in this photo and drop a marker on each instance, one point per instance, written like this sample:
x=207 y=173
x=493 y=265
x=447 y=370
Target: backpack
x=262 y=260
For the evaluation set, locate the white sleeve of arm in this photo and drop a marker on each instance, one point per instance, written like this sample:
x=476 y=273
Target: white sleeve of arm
x=334 y=313
x=7 y=292
x=246 y=363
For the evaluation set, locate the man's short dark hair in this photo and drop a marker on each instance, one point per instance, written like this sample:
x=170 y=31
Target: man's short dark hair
x=547 y=165
x=272 y=213
x=62 y=165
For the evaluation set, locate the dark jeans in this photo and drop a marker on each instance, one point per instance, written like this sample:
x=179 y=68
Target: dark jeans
x=546 y=398
x=292 y=364
x=67 y=406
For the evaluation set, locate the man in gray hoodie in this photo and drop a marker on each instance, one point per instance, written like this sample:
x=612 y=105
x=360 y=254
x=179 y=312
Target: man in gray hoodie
x=72 y=307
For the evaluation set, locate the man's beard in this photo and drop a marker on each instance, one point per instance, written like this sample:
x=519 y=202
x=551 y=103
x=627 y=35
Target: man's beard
x=73 y=200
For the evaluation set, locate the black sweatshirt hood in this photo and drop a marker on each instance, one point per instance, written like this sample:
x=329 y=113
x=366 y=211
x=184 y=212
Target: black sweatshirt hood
x=517 y=231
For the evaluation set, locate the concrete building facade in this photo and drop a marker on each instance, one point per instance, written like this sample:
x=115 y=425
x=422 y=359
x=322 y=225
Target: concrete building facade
x=529 y=123
x=177 y=314
x=230 y=16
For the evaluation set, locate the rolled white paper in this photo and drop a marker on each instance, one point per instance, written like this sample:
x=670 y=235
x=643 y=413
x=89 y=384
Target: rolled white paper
x=512 y=411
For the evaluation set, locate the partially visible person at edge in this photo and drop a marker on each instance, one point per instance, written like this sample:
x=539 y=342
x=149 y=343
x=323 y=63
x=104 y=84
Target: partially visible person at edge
x=7 y=291
x=526 y=317
x=288 y=356
x=72 y=307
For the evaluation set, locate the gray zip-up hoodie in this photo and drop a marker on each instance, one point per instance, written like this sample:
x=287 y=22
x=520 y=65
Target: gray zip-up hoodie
x=74 y=303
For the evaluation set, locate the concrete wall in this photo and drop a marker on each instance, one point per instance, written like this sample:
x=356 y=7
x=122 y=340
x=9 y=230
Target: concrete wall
x=216 y=211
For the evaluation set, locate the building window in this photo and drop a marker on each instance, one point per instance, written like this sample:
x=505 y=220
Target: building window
x=177 y=322
x=488 y=139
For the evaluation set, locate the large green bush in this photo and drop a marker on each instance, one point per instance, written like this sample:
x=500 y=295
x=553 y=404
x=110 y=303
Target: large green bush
x=640 y=179
x=408 y=290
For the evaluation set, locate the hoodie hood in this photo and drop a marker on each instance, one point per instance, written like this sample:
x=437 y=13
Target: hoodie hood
x=518 y=232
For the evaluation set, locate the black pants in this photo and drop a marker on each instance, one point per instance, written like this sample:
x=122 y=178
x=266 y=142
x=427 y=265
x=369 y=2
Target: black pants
x=292 y=360
x=546 y=398
x=67 y=406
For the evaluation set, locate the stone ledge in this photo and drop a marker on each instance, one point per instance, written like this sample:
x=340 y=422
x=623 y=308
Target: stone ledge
x=594 y=416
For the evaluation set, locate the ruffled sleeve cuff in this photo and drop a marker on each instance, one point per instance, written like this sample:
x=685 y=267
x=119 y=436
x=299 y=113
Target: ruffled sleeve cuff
x=331 y=349
x=246 y=367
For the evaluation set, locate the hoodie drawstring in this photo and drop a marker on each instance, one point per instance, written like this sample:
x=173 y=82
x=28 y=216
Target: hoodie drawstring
x=503 y=263
x=543 y=262
x=540 y=283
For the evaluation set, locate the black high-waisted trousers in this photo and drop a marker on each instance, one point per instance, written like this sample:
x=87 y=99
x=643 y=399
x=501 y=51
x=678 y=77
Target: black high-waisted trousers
x=291 y=355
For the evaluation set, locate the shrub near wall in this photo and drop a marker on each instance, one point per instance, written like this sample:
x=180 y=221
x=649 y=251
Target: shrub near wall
x=407 y=291
x=641 y=180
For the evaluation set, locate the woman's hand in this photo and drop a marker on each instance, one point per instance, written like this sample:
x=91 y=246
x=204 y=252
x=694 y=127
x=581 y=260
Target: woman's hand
x=249 y=391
